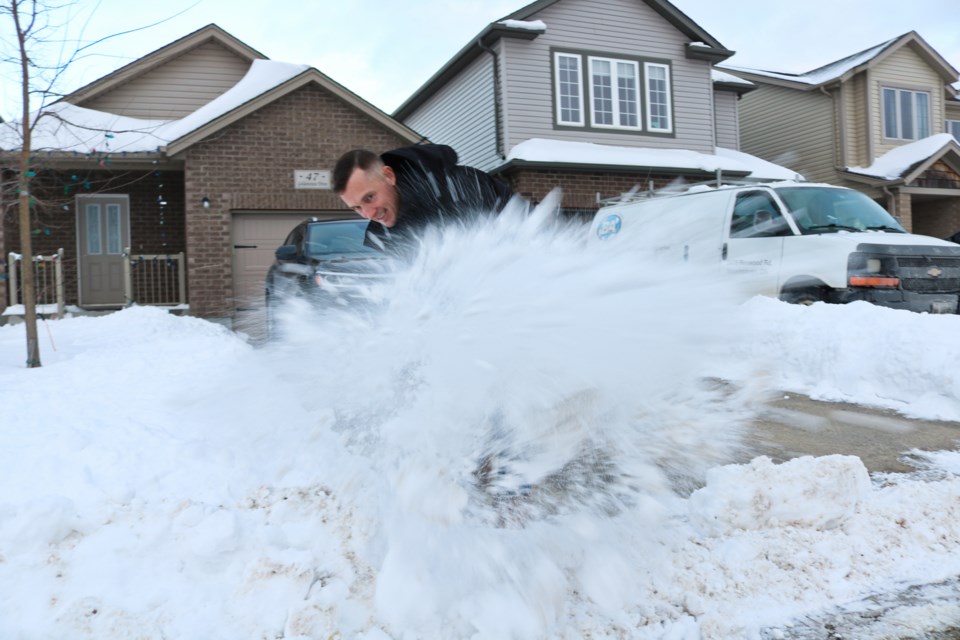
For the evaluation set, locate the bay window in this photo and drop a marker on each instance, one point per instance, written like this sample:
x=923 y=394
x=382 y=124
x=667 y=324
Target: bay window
x=601 y=92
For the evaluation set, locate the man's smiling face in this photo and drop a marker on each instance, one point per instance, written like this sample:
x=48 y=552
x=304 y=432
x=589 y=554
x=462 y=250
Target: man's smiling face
x=373 y=194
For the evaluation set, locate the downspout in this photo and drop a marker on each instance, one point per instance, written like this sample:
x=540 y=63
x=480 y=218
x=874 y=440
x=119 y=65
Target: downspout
x=840 y=152
x=498 y=132
x=868 y=98
x=894 y=205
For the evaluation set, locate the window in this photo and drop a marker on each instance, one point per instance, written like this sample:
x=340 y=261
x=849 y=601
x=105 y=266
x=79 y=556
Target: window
x=659 y=109
x=906 y=114
x=603 y=92
x=614 y=92
x=94 y=237
x=756 y=215
x=113 y=229
x=569 y=90
x=953 y=128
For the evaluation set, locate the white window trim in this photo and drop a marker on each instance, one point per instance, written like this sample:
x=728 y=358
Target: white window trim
x=899 y=120
x=583 y=107
x=616 y=94
x=647 y=101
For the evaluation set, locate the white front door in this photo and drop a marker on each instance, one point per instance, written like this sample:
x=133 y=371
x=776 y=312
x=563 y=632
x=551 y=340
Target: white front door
x=103 y=231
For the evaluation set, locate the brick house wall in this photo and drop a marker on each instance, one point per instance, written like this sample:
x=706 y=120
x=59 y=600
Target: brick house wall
x=580 y=188
x=250 y=165
x=937 y=218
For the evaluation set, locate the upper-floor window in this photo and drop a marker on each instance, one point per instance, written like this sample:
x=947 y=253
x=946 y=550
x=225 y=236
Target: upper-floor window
x=953 y=128
x=659 y=107
x=612 y=93
x=906 y=114
x=569 y=89
x=615 y=93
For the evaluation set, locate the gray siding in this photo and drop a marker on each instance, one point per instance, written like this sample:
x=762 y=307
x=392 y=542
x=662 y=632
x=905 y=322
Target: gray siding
x=177 y=88
x=462 y=115
x=792 y=128
x=725 y=120
x=610 y=27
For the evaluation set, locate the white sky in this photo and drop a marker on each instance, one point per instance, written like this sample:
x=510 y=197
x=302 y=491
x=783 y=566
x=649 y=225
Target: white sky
x=163 y=478
x=384 y=50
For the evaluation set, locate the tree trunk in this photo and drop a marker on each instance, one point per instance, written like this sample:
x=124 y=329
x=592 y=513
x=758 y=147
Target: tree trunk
x=26 y=244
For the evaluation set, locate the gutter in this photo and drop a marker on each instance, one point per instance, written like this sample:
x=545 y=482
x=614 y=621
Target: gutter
x=497 y=98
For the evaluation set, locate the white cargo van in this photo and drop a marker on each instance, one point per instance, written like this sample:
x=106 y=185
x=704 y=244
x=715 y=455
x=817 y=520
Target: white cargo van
x=801 y=242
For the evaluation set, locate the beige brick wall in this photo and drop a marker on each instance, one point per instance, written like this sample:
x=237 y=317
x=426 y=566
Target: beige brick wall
x=250 y=166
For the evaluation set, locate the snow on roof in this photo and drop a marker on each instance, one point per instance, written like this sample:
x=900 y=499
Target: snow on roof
x=893 y=164
x=825 y=73
x=67 y=127
x=532 y=25
x=263 y=76
x=716 y=75
x=541 y=150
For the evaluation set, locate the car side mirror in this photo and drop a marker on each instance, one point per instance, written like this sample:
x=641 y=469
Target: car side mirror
x=286 y=252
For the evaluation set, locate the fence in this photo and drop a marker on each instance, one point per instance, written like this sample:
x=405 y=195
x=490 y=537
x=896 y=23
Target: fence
x=154 y=279
x=48 y=281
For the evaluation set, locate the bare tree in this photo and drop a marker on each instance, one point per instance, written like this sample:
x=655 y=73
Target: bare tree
x=42 y=54
x=24 y=25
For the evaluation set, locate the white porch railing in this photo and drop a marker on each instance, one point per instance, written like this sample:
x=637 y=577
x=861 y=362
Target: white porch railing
x=47 y=278
x=154 y=279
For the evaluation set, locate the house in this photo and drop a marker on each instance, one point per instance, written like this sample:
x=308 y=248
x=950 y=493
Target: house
x=885 y=121
x=203 y=148
x=597 y=97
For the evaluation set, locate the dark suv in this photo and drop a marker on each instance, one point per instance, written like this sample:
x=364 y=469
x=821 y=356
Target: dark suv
x=325 y=262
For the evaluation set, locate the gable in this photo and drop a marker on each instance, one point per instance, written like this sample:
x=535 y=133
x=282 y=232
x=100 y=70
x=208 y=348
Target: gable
x=172 y=81
x=658 y=18
x=176 y=88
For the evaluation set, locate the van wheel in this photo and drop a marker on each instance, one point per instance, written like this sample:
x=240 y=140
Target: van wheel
x=805 y=297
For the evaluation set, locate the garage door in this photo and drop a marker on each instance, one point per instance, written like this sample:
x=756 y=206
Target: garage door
x=256 y=235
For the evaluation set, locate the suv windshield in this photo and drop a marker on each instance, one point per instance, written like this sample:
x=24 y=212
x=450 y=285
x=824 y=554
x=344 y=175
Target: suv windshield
x=337 y=239
x=826 y=210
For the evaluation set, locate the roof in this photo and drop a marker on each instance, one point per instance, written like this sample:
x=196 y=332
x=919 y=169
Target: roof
x=842 y=69
x=561 y=154
x=905 y=163
x=68 y=129
x=516 y=25
x=729 y=82
x=209 y=33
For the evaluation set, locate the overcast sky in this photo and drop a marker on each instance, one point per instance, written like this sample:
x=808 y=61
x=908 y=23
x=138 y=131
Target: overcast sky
x=384 y=50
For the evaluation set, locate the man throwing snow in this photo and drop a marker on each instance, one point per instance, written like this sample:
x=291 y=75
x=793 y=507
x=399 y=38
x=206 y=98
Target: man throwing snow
x=405 y=190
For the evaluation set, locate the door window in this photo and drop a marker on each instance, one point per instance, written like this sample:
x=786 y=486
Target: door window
x=94 y=237
x=756 y=216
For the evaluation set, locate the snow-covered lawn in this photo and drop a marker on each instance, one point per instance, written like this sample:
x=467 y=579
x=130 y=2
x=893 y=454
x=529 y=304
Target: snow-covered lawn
x=163 y=478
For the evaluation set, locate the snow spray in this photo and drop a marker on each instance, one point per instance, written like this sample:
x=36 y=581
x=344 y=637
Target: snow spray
x=529 y=403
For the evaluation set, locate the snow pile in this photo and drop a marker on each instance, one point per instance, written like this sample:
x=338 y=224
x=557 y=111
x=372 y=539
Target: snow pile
x=163 y=478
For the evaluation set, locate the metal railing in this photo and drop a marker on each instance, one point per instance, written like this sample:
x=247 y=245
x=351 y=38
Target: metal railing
x=48 y=282
x=154 y=279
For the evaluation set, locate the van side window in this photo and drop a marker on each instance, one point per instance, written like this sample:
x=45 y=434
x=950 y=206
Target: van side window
x=756 y=215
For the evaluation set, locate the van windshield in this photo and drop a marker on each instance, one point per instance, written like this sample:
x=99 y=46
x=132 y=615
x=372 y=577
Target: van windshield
x=826 y=210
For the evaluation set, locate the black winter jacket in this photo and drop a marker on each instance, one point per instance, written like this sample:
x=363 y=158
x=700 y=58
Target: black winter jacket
x=434 y=189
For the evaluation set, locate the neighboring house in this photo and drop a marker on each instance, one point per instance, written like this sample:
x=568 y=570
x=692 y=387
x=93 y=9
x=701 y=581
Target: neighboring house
x=879 y=121
x=203 y=147
x=597 y=97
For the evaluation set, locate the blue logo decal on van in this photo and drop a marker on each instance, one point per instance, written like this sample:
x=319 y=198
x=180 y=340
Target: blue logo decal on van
x=609 y=227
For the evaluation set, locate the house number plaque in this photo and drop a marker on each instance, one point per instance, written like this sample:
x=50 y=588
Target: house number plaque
x=311 y=179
